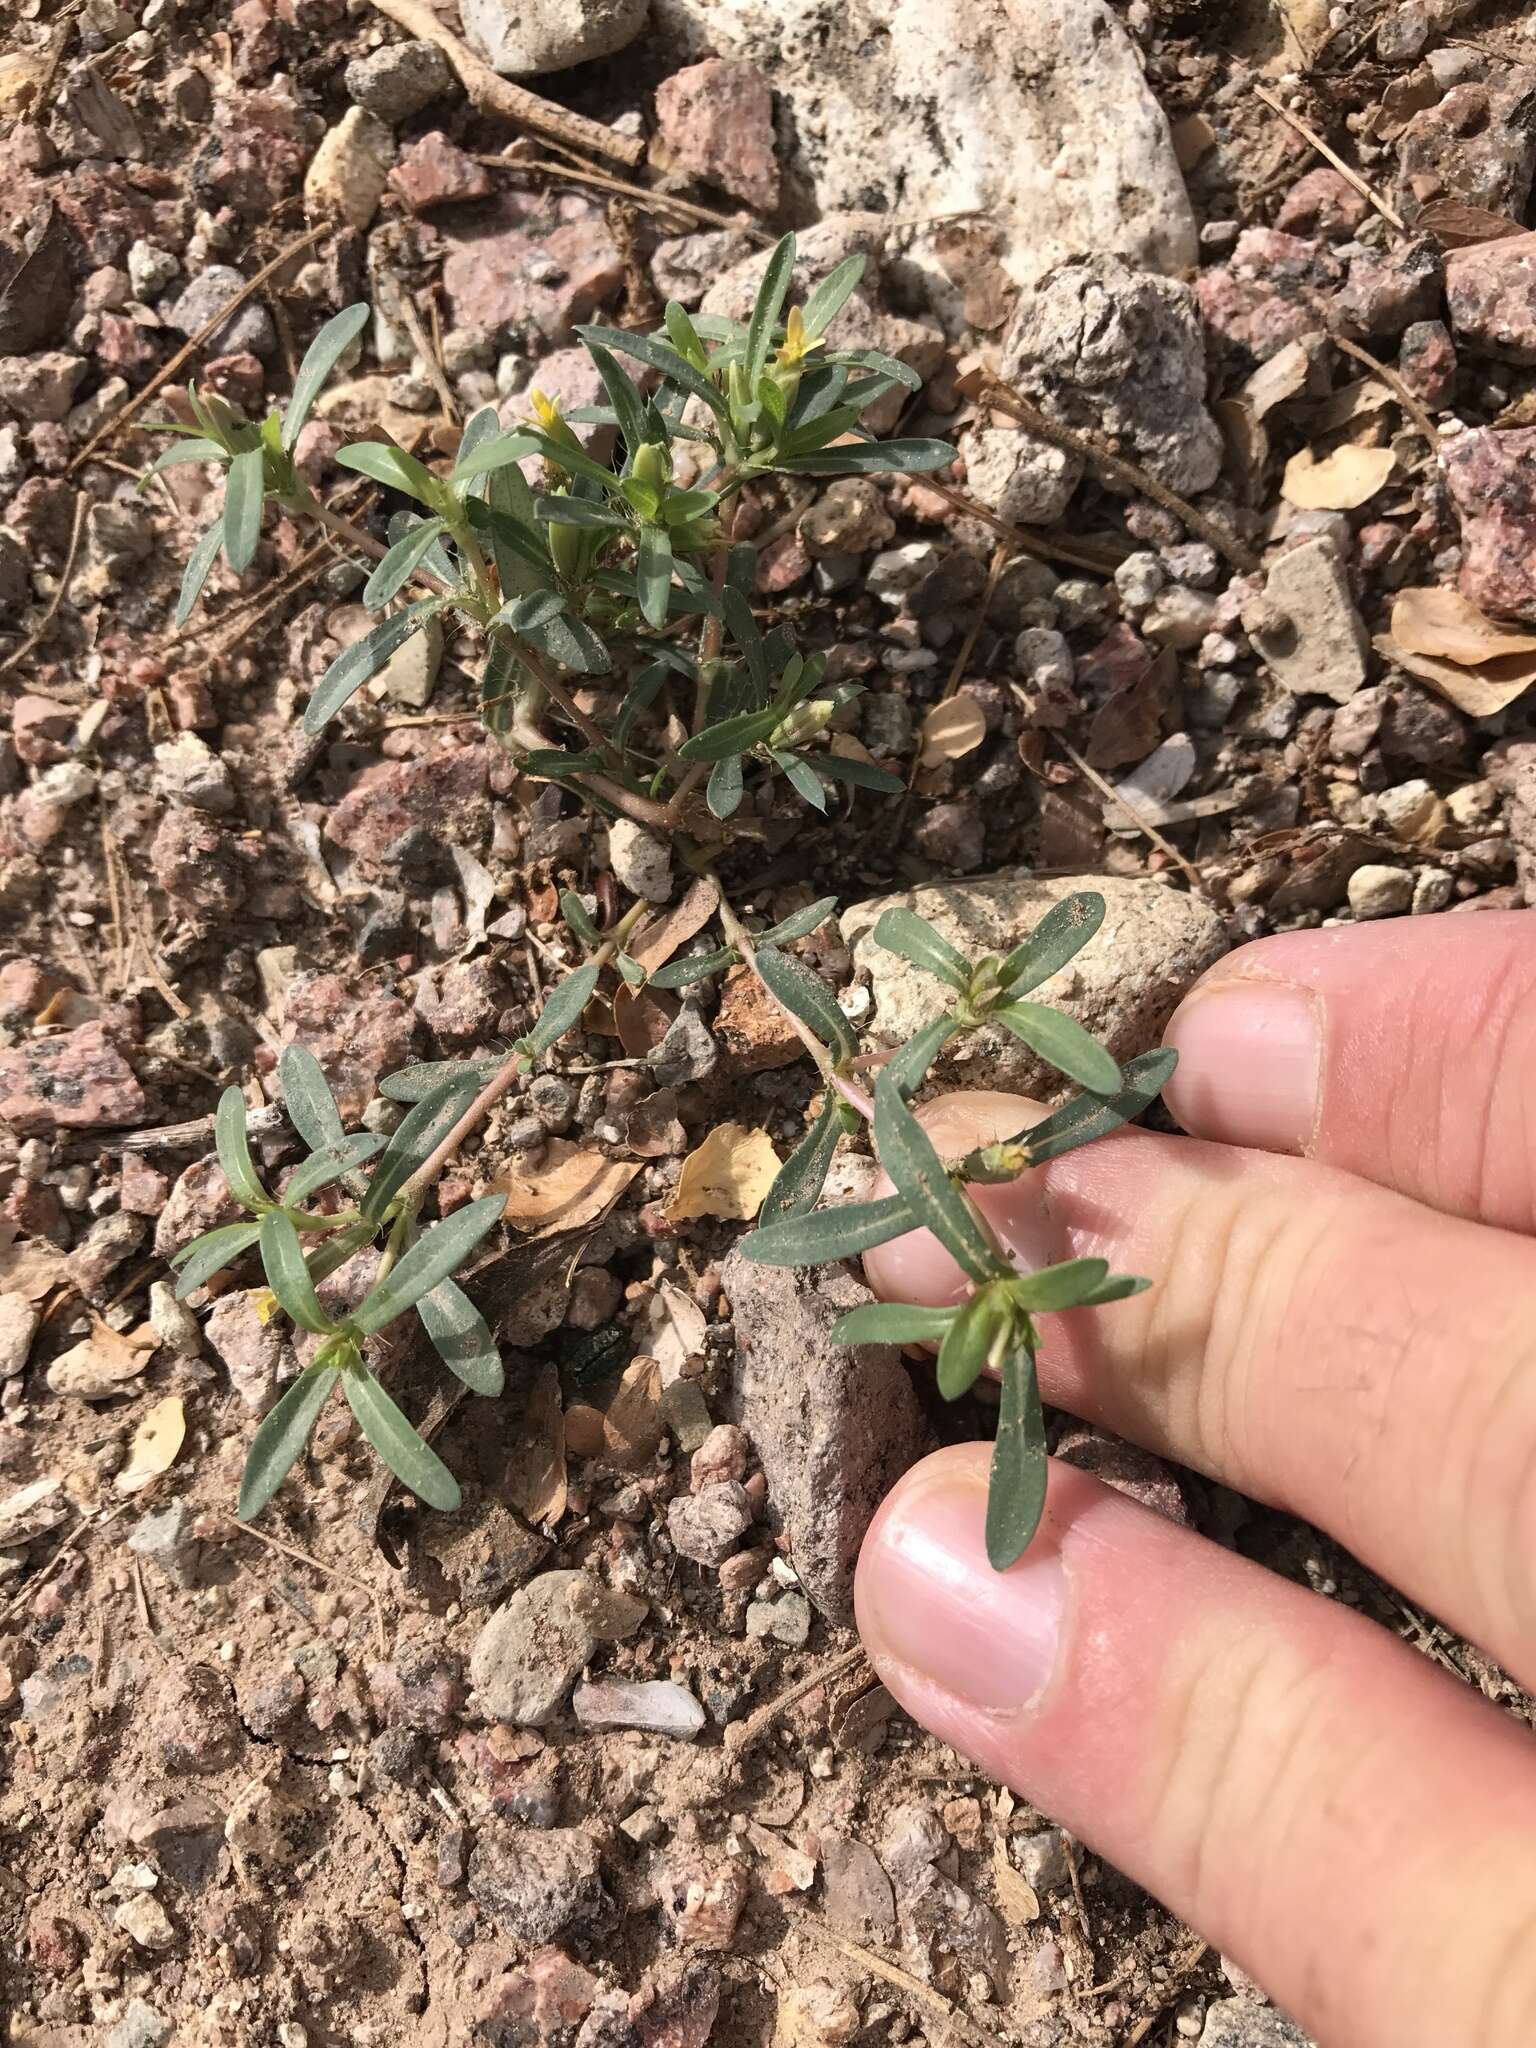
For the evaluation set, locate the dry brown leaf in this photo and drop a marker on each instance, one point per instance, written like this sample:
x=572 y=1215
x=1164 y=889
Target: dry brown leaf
x=156 y=1443
x=1450 y=627
x=536 y=1471
x=1339 y=481
x=30 y=1267
x=1351 y=402
x=727 y=1176
x=574 y=1184
x=675 y=1327
x=632 y=1425
x=1479 y=663
x=1015 y=1894
x=1455 y=226
x=660 y=936
x=957 y=726
x=642 y=1017
x=1283 y=375
x=103 y=1362
x=1246 y=436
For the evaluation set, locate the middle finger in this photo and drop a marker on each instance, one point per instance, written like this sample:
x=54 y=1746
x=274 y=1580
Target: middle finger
x=1319 y=1343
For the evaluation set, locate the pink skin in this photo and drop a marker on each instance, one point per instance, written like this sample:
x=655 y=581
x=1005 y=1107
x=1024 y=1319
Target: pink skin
x=1306 y=1790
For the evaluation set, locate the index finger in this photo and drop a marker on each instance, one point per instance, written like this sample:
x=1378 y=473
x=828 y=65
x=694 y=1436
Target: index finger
x=1403 y=1052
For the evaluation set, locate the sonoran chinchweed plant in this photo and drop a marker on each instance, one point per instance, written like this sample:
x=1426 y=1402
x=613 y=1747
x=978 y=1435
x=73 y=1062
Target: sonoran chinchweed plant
x=573 y=569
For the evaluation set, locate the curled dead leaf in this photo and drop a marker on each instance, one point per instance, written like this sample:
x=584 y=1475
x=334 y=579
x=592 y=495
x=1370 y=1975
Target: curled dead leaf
x=1338 y=482
x=955 y=727
x=727 y=1176
x=102 y=1363
x=675 y=1328
x=1441 y=637
x=642 y=1018
x=632 y=1424
x=536 y=1471
x=660 y=936
x=573 y=1185
x=156 y=1444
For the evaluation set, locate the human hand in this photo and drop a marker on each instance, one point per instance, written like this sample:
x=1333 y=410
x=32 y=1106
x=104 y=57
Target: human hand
x=1349 y=1333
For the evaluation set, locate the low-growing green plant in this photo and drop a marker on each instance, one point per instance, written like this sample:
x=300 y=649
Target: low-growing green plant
x=591 y=569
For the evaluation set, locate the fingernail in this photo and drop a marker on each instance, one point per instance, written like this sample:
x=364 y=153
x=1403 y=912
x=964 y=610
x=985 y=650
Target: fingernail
x=930 y=1602
x=1250 y=1064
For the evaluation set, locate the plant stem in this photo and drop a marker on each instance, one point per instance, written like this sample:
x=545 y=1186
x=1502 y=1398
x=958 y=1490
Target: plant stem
x=714 y=626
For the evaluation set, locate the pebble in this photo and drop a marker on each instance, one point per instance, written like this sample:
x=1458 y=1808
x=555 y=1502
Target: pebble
x=715 y=120
x=1309 y=631
x=706 y=1526
x=530 y=1652
x=786 y=1620
x=348 y=173
x=399 y=80
x=188 y=771
x=1042 y=1860
x=1380 y=891
x=858 y=1896
x=525 y=38
x=641 y=860
x=1241 y=2023
x=145 y=1921
x=165 y=1538
x=139 y=2027
x=18 y=1325
x=171 y=1320
x=539 y=1884
x=658 y=1705
x=248 y=328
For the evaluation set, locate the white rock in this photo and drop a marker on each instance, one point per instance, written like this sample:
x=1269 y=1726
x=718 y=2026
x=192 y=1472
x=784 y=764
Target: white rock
x=1034 y=111
x=1018 y=477
x=172 y=1321
x=522 y=38
x=1122 y=986
x=409 y=676
x=18 y=1325
x=349 y=171
x=658 y=1705
x=1380 y=892
x=531 y=1651
x=641 y=860
x=188 y=771
x=1310 y=633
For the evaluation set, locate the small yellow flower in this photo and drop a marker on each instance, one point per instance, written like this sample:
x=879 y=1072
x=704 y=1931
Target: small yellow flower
x=797 y=343
x=264 y=1301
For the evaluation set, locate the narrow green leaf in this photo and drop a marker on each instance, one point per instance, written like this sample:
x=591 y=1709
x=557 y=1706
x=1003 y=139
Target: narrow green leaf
x=414 y=1463
x=1068 y=1285
x=1088 y=1117
x=892 y=1322
x=1016 y=1491
x=198 y=449
x=563 y=1010
x=242 y=509
x=799 y=924
x=462 y=1337
x=282 y=1257
x=430 y=1260
x=1118 y=1287
x=307 y=1098
x=575 y=913
x=282 y=1436
x=199 y=563
x=827 y=1234
x=802 y=778
x=630 y=969
x=569 y=511
x=497 y=452
x=723 y=791
x=1063 y=1042
x=415 y=1084
x=628 y=405
x=798 y=1184
x=320 y=358
x=870 y=458
x=684 y=335
x=415 y=1138
x=480 y=429
x=908 y=1068
x=907 y=1154
x=1059 y=936
x=333 y=1252
x=507 y=519
x=571 y=642
x=968 y=1342
x=913 y=938
x=641 y=695
x=831 y=295
x=694 y=967
x=659 y=355
x=744 y=630
x=401 y=563
x=197 y=1263
x=886 y=366
x=806 y=996
x=234 y=1151
x=357 y=664
x=730 y=737
x=771 y=294
x=330 y=1163
x=653 y=573
x=859 y=774
x=391 y=467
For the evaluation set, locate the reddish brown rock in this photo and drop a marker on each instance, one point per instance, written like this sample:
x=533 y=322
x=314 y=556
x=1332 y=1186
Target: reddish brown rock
x=462 y=1003
x=256 y=154
x=77 y=1081
x=1426 y=361
x=715 y=120
x=126 y=349
x=1492 y=479
x=1388 y=289
x=197 y=864
x=753 y=1031
x=41 y=730
x=1511 y=768
x=444 y=795
x=1491 y=291
x=546 y=1993
x=1323 y=203
x=1476 y=144
x=433 y=171
x=355 y=1034
x=200 y=1200
x=497 y=275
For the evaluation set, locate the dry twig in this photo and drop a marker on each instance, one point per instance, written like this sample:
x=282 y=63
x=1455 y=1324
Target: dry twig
x=1143 y=824
x=579 y=173
x=35 y=640
x=1304 y=128
x=1394 y=383
x=1044 y=546
x=493 y=94
x=741 y=1735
